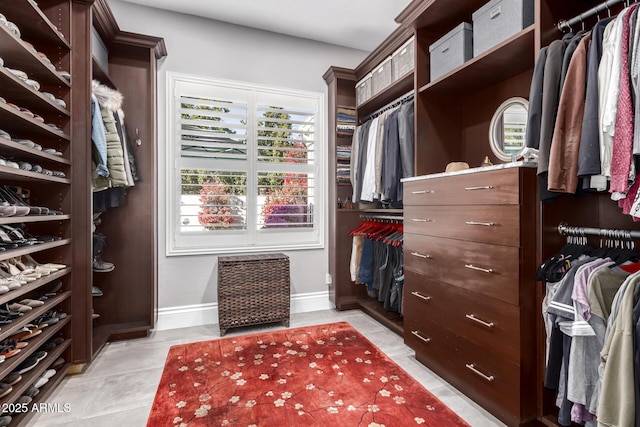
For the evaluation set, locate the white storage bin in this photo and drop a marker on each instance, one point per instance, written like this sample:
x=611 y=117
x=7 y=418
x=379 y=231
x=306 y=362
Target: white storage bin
x=498 y=20
x=363 y=90
x=451 y=50
x=402 y=60
x=381 y=76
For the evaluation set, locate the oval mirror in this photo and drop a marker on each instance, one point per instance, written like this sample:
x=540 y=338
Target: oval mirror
x=507 y=129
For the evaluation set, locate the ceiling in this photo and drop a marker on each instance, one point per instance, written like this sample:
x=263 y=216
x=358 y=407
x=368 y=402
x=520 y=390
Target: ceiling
x=359 y=24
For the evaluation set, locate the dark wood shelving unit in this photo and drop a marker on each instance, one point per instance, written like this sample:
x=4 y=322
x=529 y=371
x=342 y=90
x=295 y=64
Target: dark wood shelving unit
x=127 y=308
x=452 y=118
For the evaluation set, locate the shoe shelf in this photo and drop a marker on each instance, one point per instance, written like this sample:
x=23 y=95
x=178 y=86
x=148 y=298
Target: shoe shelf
x=28 y=154
x=18 y=122
x=35 y=26
x=36 y=342
x=25 y=250
x=45 y=390
x=9 y=173
x=33 y=218
x=18 y=92
x=11 y=328
x=489 y=67
x=25 y=289
x=29 y=377
x=18 y=56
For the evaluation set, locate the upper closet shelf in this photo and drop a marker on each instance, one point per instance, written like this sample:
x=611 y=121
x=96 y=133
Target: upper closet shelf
x=439 y=16
x=397 y=89
x=35 y=26
x=503 y=61
x=100 y=74
x=18 y=56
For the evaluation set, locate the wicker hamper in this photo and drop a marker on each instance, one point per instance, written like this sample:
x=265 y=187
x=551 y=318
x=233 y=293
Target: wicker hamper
x=252 y=290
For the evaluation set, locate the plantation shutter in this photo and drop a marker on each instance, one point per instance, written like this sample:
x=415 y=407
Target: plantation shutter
x=247 y=166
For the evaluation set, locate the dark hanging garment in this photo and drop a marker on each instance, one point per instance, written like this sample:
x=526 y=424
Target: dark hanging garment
x=534 y=115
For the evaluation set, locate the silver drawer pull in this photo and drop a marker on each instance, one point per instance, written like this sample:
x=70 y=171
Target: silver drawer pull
x=420 y=255
x=421 y=220
x=486 y=224
x=419 y=295
x=473 y=369
x=482 y=322
x=422 y=192
x=484 y=187
x=473 y=267
x=417 y=333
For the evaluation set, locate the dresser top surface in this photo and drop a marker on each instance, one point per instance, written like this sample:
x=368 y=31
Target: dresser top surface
x=510 y=165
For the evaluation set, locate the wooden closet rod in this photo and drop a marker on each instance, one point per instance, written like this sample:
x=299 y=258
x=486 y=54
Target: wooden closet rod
x=404 y=98
x=566 y=25
x=566 y=230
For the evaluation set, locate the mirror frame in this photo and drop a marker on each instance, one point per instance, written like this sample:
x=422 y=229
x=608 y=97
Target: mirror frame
x=497 y=146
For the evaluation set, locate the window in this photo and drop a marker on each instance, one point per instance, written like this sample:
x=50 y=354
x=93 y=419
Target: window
x=245 y=167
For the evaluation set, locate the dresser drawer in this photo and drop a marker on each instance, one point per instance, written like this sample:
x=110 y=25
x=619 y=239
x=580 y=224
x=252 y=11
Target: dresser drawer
x=491 y=270
x=489 y=380
x=478 y=188
x=488 y=323
x=499 y=224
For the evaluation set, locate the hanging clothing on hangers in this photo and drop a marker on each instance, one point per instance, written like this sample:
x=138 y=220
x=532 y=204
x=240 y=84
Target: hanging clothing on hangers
x=585 y=319
x=377 y=260
x=383 y=154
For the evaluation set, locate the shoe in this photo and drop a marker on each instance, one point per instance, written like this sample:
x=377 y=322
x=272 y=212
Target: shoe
x=100 y=266
x=96 y=291
x=19 y=307
x=12 y=379
x=9 y=352
x=13 y=343
x=40 y=382
x=31 y=391
x=15 y=199
x=32 y=302
x=24 y=400
x=26 y=333
x=5 y=389
x=49 y=373
x=28 y=260
x=59 y=363
x=11 y=282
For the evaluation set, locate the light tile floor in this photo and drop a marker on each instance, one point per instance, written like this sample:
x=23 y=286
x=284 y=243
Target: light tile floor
x=118 y=388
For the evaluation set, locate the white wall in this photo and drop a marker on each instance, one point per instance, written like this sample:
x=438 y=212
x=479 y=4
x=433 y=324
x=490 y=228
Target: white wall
x=209 y=48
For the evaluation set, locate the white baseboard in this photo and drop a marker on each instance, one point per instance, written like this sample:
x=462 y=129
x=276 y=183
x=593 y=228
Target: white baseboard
x=207 y=314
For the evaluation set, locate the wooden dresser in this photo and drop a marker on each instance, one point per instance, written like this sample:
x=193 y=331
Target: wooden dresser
x=469 y=296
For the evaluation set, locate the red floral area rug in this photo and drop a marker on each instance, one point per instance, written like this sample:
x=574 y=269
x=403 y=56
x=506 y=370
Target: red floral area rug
x=327 y=375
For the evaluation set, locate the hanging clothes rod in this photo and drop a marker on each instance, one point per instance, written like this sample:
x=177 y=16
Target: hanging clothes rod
x=566 y=24
x=566 y=230
x=381 y=217
x=404 y=98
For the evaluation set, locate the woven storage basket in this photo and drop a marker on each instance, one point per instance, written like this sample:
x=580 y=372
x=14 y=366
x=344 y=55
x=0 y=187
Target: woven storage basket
x=252 y=290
